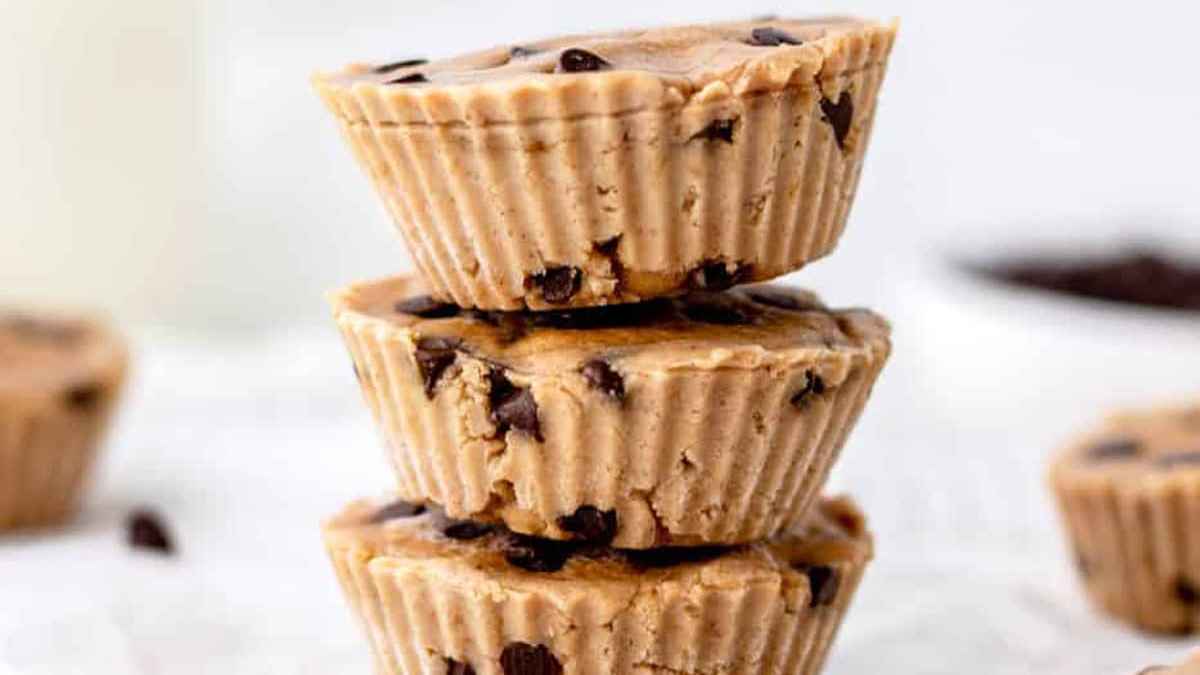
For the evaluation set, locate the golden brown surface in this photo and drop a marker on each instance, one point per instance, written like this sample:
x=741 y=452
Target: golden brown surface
x=40 y=353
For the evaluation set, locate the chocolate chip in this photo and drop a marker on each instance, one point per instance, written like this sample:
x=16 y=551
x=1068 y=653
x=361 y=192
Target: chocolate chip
x=83 y=397
x=520 y=658
x=1135 y=276
x=718 y=310
x=772 y=37
x=670 y=556
x=714 y=275
x=513 y=407
x=1177 y=459
x=590 y=524
x=537 y=555
x=839 y=115
x=813 y=386
x=581 y=61
x=467 y=530
x=601 y=376
x=145 y=530
x=1083 y=565
x=1186 y=592
x=397 y=65
x=426 y=307
x=610 y=249
x=41 y=330
x=1114 y=449
x=396 y=511
x=558 y=284
x=415 y=78
x=781 y=299
x=520 y=52
x=434 y=355
x=458 y=668
x=823 y=582
x=717 y=130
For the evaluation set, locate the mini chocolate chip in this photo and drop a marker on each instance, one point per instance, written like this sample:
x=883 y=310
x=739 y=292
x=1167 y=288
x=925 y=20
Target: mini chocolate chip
x=537 y=555
x=467 y=530
x=581 y=61
x=1177 y=459
x=781 y=299
x=1083 y=565
x=84 y=397
x=813 y=386
x=520 y=52
x=558 y=284
x=513 y=407
x=600 y=375
x=426 y=307
x=840 y=116
x=458 y=668
x=30 y=328
x=717 y=310
x=717 y=130
x=397 y=65
x=520 y=658
x=772 y=37
x=397 y=510
x=415 y=78
x=823 y=582
x=144 y=529
x=1186 y=592
x=434 y=355
x=714 y=275
x=591 y=525
x=670 y=556
x=1117 y=448
x=610 y=249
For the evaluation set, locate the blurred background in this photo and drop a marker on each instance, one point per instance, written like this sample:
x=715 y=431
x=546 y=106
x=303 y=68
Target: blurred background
x=168 y=162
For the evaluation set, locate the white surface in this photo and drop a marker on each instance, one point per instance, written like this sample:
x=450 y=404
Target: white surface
x=246 y=446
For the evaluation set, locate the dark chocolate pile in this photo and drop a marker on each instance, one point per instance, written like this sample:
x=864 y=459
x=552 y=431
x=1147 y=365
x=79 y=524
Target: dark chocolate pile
x=1135 y=277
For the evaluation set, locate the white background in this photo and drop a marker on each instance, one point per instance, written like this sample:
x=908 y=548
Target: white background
x=168 y=161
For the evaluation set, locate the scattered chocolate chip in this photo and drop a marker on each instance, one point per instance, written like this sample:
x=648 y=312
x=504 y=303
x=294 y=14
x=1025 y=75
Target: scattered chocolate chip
x=772 y=37
x=537 y=555
x=467 y=530
x=434 y=355
x=823 y=582
x=714 y=275
x=513 y=407
x=145 y=530
x=397 y=65
x=1177 y=459
x=610 y=249
x=1083 y=565
x=1114 y=449
x=426 y=307
x=41 y=330
x=415 y=78
x=581 y=61
x=1140 y=277
x=520 y=52
x=396 y=511
x=558 y=284
x=670 y=556
x=520 y=658
x=839 y=115
x=781 y=299
x=717 y=130
x=591 y=525
x=1186 y=592
x=84 y=397
x=601 y=376
x=813 y=386
x=718 y=310
x=458 y=668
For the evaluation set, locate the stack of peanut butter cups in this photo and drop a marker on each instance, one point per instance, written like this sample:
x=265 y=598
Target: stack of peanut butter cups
x=609 y=439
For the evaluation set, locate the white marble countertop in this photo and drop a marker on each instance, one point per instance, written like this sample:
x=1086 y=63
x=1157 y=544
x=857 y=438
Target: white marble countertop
x=246 y=445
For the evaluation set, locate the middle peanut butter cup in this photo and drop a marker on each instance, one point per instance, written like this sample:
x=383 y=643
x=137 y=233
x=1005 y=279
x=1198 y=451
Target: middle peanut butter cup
x=713 y=418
